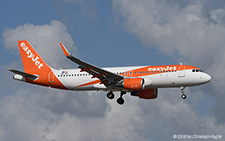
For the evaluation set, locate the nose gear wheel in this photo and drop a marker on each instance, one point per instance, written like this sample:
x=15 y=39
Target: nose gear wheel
x=183 y=94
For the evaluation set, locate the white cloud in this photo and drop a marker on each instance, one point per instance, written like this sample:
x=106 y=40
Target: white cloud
x=174 y=30
x=44 y=38
x=191 y=32
x=30 y=112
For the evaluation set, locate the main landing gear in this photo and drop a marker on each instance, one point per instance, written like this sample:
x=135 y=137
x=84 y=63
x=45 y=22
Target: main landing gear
x=120 y=100
x=183 y=94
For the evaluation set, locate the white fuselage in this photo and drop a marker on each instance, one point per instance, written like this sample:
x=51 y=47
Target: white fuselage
x=73 y=79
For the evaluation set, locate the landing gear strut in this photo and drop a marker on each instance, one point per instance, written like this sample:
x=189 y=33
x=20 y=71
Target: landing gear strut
x=110 y=95
x=120 y=100
x=183 y=94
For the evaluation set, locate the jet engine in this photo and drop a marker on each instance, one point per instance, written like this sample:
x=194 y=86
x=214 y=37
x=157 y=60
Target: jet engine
x=135 y=83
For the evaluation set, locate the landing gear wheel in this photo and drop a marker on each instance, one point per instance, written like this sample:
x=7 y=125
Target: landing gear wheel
x=120 y=101
x=110 y=95
x=183 y=92
x=183 y=96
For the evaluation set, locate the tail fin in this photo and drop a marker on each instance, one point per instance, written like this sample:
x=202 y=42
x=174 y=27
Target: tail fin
x=32 y=62
x=35 y=66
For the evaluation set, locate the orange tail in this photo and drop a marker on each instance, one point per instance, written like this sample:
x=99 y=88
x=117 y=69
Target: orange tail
x=33 y=64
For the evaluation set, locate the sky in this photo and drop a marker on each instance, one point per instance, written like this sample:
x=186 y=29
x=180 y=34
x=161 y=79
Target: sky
x=112 y=33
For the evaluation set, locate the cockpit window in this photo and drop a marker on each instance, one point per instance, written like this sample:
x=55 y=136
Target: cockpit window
x=197 y=70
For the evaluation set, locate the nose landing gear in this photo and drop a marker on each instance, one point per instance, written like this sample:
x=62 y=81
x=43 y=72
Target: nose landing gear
x=183 y=94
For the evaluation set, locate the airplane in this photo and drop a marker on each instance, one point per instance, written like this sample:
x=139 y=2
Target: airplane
x=140 y=81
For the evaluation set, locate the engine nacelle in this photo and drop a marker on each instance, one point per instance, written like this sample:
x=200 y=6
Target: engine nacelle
x=146 y=94
x=133 y=83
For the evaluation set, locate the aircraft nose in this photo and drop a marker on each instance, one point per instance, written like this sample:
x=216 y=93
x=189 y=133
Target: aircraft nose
x=207 y=77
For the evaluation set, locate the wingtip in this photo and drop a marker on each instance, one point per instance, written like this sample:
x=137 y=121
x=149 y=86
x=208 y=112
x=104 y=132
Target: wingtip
x=65 y=51
x=10 y=70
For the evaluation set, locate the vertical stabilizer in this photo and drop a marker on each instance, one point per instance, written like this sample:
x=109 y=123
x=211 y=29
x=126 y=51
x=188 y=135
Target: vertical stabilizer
x=32 y=61
x=33 y=64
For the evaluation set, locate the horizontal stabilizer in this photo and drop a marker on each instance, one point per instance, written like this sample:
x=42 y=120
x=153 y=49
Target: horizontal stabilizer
x=26 y=75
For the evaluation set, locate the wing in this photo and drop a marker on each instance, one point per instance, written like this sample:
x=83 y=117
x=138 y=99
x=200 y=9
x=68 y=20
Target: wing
x=106 y=77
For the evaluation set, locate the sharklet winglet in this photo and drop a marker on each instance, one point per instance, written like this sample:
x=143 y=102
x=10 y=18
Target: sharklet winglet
x=65 y=51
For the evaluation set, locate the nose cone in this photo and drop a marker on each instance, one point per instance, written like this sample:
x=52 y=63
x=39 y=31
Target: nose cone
x=206 y=78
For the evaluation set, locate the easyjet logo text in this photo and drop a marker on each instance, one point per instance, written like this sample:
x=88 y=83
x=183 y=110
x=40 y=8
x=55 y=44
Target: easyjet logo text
x=167 y=68
x=31 y=56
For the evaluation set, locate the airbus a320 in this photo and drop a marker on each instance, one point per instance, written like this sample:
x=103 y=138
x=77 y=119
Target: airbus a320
x=140 y=81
